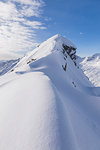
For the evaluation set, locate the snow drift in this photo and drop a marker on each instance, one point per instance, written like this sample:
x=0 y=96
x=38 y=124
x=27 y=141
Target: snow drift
x=47 y=103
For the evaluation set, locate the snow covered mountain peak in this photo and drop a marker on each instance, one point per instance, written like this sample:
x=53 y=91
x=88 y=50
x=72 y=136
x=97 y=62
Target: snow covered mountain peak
x=95 y=57
x=60 y=39
x=57 y=47
x=54 y=43
x=56 y=55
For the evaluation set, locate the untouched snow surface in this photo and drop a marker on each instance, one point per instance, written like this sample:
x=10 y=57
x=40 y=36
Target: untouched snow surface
x=91 y=67
x=44 y=107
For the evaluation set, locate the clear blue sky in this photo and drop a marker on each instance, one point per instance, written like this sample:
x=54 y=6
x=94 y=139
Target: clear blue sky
x=78 y=20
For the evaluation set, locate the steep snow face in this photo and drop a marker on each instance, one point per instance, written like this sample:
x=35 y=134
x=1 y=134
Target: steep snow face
x=47 y=103
x=91 y=67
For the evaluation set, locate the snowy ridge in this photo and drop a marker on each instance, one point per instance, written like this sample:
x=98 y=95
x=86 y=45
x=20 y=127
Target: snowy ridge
x=48 y=106
x=5 y=65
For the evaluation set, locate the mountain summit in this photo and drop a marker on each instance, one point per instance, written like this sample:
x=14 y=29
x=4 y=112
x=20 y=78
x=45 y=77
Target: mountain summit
x=47 y=103
x=56 y=45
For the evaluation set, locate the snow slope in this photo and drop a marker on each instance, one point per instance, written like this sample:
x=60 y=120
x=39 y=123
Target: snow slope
x=91 y=67
x=44 y=106
x=5 y=65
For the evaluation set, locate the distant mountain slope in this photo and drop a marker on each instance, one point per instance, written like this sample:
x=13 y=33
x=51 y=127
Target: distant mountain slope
x=5 y=66
x=91 y=67
x=47 y=103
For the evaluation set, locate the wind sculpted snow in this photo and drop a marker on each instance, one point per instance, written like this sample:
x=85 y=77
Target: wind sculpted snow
x=44 y=107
